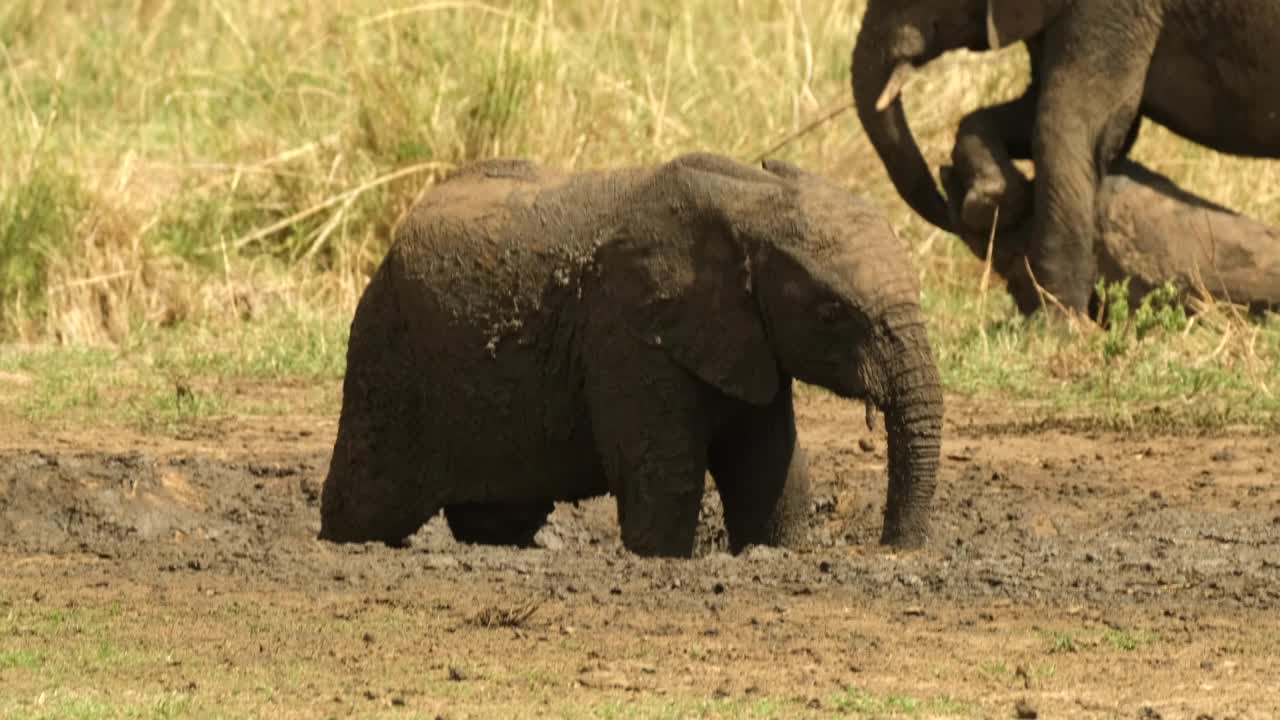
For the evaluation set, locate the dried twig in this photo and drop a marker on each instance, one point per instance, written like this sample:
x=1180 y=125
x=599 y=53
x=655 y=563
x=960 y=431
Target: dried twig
x=833 y=114
x=985 y=284
x=340 y=198
x=506 y=617
x=95 y=280
x=443 y=5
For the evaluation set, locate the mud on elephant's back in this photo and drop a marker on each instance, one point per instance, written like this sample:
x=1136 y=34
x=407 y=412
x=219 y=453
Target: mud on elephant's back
x=1152 y=231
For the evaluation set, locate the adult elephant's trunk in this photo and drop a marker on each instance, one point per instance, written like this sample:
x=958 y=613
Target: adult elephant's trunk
x=911 y=398
x=877 y=78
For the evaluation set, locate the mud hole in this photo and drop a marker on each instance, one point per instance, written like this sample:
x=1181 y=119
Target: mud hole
x=1069 y=575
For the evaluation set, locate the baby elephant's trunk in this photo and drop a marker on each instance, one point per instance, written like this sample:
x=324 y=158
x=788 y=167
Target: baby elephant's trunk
x=911 y=398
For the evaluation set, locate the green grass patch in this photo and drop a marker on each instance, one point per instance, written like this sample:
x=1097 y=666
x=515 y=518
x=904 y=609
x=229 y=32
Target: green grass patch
x=1063 y=642
x=1130 y=639
x=851 y=702
x=861 y=703
x=37 y=217
x=1113 y=640
x=1148 y=369
x=164 y=380
x=20 y=659
x=66 y=706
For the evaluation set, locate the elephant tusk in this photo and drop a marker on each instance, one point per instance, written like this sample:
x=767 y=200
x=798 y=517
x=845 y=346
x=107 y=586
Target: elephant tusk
x=871 y=416
x=893 y=88
x=993 y=33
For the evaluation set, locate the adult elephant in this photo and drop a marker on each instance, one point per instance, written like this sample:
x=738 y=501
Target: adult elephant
x=1206 y=69
x=534 y=336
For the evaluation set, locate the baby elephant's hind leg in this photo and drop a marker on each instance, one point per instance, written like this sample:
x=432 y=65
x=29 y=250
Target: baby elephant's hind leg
x=374 y=491
x=497 y=523
x=378 y=487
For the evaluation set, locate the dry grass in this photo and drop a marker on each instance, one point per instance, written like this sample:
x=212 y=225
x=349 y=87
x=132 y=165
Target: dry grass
x=507 y=617
x=212 y=163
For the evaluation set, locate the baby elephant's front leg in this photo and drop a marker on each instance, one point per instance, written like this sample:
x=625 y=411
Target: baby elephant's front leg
x=652 y=440
x=658 y=504
x=762 y=475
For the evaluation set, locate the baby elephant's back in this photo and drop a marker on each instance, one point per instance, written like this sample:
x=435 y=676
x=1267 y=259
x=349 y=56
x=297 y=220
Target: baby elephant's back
x=473 y=279
x=509 y=204
x=475 y=209
x=497 y=233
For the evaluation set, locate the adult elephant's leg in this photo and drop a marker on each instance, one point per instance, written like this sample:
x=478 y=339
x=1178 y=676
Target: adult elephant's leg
x=650 y=428
x=497 y=523
x=1088 y=104
x=761 y=473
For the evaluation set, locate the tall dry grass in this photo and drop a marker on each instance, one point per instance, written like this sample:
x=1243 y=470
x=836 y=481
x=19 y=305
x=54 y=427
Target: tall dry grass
x=172 y=162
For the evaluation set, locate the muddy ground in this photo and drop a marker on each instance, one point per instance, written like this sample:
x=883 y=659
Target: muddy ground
x=1071 y=574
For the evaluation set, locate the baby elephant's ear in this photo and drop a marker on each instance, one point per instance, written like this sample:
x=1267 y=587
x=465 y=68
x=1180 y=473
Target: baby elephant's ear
x=685 y=286
x=1011 y=21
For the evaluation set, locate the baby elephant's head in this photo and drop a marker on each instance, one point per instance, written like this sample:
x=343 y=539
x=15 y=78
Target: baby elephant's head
x=840 y=301
x=750 y=276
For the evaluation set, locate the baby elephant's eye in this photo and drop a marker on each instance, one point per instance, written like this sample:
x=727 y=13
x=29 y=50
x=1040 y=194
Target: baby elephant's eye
x=830 y=313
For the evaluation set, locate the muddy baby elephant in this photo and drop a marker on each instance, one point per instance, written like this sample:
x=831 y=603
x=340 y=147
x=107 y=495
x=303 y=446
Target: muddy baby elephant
x=535 y=336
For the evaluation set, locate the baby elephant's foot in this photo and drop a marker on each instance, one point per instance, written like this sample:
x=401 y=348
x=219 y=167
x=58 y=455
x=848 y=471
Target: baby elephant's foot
x=512 y=524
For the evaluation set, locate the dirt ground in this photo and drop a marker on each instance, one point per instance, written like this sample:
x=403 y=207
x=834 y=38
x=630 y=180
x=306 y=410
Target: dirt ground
x=1070 y=574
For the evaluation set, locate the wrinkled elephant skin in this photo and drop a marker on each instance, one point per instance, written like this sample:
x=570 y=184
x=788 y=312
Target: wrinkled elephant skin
x=1206 y=69
x=535 y=336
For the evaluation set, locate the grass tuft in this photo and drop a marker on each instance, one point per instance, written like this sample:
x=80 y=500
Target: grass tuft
x=38 y=216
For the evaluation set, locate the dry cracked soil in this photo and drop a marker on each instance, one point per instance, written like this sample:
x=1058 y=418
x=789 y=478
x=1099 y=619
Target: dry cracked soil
x=1070 y=574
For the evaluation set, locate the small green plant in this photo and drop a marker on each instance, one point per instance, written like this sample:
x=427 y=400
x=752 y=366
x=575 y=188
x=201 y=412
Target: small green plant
x=1063 y=642
x=1160 y=312
x=20 y=659
x=1128 y=640
x=1114 y=307
x=37 y=216
x=859 y=702
x=994 y=669
x=506 y=84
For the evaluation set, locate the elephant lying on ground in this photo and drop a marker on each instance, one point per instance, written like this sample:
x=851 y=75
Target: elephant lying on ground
x=1150 y=231
x=534 y=336
x=1206 y=69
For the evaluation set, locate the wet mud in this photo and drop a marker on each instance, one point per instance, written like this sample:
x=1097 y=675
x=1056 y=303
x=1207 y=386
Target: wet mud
x=1171 y=542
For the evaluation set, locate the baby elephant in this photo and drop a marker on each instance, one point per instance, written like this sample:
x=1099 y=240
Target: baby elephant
x=535 y=336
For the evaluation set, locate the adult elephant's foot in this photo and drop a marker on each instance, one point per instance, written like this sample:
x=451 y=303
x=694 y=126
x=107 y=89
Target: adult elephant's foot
x=497 y=523
x=1022 y=288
